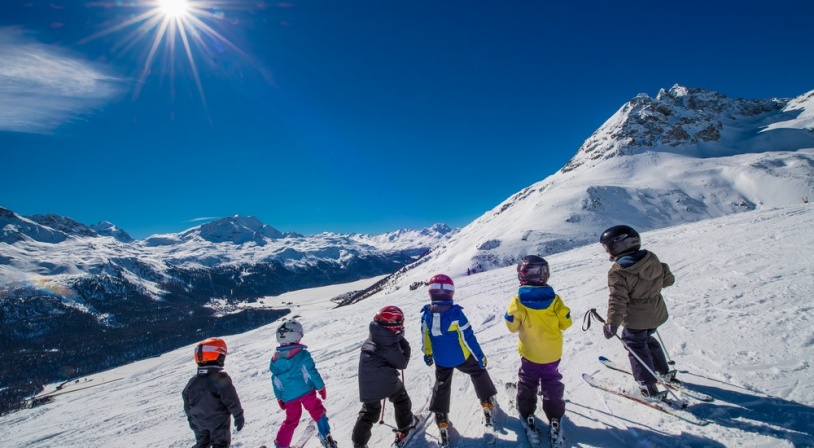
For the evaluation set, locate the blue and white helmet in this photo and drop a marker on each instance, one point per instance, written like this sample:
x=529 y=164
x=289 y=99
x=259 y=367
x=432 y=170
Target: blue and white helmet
x=290 y=332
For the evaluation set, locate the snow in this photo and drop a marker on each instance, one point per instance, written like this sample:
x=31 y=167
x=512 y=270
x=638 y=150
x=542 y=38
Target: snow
x=740 y=329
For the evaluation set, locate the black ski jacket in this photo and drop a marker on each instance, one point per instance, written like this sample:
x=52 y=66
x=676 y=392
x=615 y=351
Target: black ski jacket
x=384 y=353
x=209 y=399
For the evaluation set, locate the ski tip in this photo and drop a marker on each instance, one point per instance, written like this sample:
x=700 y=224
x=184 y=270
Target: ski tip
x=603 y=359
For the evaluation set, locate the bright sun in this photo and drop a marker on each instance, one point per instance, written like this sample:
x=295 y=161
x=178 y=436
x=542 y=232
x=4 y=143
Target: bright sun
x=173 y=8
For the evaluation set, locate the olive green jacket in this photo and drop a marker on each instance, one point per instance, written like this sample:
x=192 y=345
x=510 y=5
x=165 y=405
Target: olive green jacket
x=635 y=282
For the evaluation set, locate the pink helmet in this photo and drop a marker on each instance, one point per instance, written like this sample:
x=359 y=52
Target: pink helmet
x=441 y=288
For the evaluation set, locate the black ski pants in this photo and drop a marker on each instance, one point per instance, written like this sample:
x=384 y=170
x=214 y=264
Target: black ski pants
x=648 y=349
x=219 y=438
x=484 y=388
x=371 y=410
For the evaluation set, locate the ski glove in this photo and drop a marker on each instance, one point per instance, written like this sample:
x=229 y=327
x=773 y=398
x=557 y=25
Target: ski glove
x=482 y=362
x=323 y=393
x=609 y=330
x=239 y=421
x=282 y=404
x=428 y=360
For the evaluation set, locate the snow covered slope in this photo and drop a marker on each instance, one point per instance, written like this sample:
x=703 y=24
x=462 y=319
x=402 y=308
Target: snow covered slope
x=740 y=328
x=685 y=156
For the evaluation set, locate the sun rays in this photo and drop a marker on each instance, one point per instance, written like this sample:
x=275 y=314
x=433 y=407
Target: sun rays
x=168 y=28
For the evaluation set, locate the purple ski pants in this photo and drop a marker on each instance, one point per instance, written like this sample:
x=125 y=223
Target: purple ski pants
x=549 y=380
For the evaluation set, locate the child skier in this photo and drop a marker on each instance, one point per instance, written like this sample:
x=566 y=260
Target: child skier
x=384 y=353
x=635 y=281
x=540 y=316
x=450 y=343
x=296 y=383
x=210 y=397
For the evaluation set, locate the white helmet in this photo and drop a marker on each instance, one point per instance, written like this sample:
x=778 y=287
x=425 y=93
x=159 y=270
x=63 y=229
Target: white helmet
x=290 y=332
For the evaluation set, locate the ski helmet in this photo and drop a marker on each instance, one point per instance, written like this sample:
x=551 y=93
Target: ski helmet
x=390 y=317
x=441 y=288
x=211 y=350
x=532 y=270
x=290 y=332
x=619 y=240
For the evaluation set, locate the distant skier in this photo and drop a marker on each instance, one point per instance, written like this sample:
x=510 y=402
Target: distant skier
x=210 y=397
x=540 y=317
x=635 y=281
x=450 y=343
x=383 y=354
x=296 y=383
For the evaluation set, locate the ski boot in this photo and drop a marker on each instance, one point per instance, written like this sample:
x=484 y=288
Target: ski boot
x=670 y=378
x=327 y=441
x=443 y=427
x=530 y=422
x=488 y=410
x=402 y=433
x=555 y=434
x=651 y=393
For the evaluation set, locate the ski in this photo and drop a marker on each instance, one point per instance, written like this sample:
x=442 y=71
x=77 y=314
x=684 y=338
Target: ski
x=663 y=407
x=421 y=421
x=306 y=435
x=678 y=388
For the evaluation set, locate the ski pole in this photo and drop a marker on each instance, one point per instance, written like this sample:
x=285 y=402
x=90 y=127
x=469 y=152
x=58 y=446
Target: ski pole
x=664 y=349
x=624 y=344
x=381 y=419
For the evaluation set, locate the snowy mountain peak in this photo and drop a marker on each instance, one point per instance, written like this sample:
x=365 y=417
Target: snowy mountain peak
x=107 y=228
x=236 y=229
x=14 y=228
x=63 y=224
x=691 y=121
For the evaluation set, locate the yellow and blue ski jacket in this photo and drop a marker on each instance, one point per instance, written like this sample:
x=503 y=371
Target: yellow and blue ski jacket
x=447 y=335
x=540 y=316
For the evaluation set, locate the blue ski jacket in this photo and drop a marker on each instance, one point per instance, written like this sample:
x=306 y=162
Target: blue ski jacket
x=447 y=335
x=293 y=372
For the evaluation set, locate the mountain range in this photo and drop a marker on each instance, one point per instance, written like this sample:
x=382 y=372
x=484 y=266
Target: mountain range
x=63 y=283
x=686 y=155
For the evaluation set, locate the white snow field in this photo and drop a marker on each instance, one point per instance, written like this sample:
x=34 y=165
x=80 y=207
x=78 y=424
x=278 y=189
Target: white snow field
x=740 y=329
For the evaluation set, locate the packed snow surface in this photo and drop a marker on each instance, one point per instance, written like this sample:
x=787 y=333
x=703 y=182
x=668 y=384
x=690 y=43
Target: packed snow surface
x=740 y=329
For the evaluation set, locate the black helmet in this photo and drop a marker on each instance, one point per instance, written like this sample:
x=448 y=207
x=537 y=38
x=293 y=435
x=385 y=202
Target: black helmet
x=619 y=240
x=532 y=270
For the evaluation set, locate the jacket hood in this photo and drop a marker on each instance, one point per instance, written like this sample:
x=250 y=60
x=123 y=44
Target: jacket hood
x=287 y=351
x=439 y=307
x=641 y=263
x=536 y=297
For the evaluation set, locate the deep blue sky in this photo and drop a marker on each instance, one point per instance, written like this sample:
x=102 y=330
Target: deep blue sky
x=355 y=116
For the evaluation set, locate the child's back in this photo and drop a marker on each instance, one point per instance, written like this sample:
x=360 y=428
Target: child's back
x=296 y=381
x=540 y=316
x=210 y=397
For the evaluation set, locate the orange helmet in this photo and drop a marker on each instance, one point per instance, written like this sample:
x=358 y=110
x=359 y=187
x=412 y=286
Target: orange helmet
x=212 y=349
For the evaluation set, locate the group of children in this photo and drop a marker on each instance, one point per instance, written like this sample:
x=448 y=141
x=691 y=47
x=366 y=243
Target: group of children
x=536 y=313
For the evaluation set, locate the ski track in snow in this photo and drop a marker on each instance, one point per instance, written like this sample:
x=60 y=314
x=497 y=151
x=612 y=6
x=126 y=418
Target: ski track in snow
x=739 y=330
